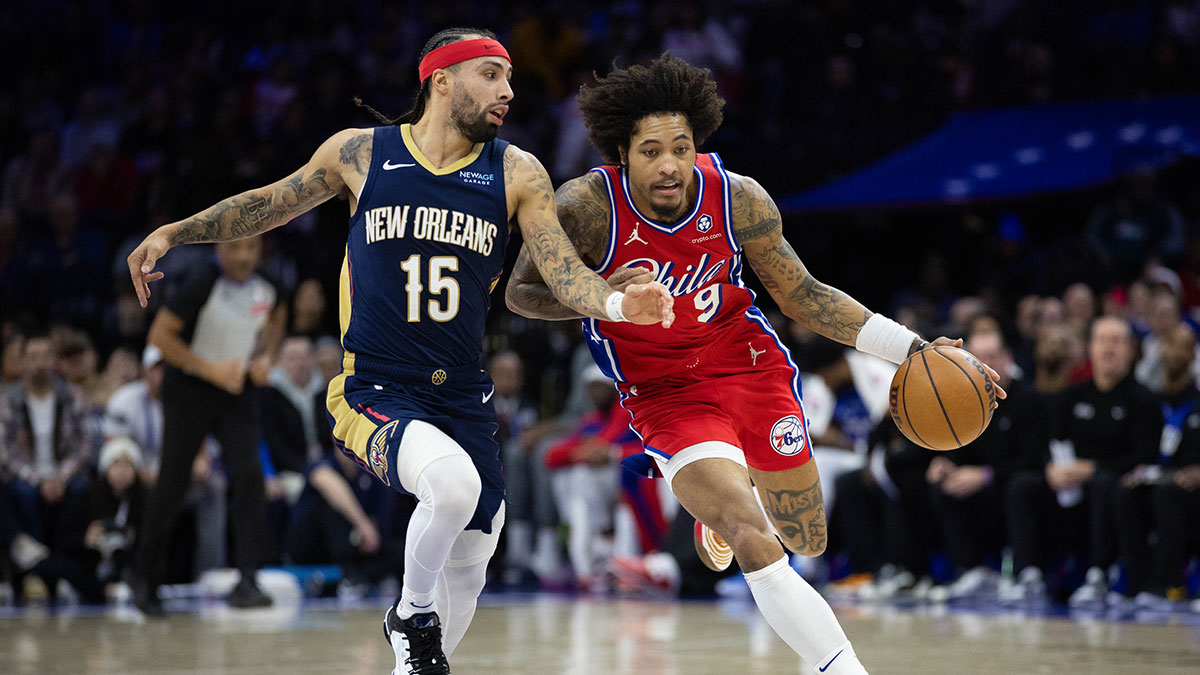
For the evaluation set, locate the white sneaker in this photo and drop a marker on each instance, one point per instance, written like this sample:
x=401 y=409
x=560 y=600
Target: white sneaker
x=1194 y=606
x=26 y=552
x=1150 y=602
x=887 y=584
x=1029 y=588
x=977 y=583
x=1094 y=591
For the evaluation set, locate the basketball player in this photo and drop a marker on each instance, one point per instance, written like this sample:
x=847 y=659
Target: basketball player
x=717 y=399
x=430 y=201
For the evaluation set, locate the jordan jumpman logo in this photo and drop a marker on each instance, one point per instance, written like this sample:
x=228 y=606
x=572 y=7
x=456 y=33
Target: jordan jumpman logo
x=755 y=354
x=634 y=237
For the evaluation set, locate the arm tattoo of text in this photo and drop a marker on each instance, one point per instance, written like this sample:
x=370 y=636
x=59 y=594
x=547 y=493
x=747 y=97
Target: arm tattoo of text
x=799 y=516
x=255 y=211
x=819 y=307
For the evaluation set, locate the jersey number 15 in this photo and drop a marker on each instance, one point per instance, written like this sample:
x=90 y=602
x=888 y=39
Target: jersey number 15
x=438 y=284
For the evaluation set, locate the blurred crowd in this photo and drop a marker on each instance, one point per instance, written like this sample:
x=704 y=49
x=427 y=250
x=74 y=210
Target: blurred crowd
x=125 y=115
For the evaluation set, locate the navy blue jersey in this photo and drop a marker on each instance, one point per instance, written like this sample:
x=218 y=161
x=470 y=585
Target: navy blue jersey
x=425 y=249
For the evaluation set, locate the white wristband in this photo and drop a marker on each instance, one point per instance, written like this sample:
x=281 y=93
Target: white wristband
x=882 y=337
x=612 y=307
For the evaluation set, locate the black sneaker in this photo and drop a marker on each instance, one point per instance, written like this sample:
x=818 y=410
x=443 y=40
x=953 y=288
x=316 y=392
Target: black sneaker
x=247 y=594
x=417 y=642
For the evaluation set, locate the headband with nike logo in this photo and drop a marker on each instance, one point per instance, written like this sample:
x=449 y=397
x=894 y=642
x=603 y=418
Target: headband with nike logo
x=457 y=52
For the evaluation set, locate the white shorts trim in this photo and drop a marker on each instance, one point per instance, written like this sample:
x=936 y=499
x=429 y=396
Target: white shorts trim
x=421 y=444
x=697 y=452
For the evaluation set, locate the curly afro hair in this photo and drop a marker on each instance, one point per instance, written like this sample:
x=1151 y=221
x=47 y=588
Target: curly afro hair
x=613 y=106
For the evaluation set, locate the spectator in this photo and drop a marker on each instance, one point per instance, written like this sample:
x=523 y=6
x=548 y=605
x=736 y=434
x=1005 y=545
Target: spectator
x=344 y=517
x=530 y=511
x=135 y=411
x=1165 y=316
x=31 y=180
x=586 y=480
x=11 y=365
x=845 y=397
x=1160 y=497
x=1102 y=429
x=967 y=485
x=289 y=413
x=221 y=325
x=46 y=441
x=1134 y=225
x=308 y=310
x=107 y=523
x=1055 y=357
x=1079 y=304
x=880 y=510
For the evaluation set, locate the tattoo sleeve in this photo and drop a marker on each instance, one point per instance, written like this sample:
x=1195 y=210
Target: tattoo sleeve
x=256 y=211
x=819 y=307
x=799 y=516
x=550 y=280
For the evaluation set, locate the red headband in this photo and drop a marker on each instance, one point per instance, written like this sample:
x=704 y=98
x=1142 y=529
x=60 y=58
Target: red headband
x=457 y=52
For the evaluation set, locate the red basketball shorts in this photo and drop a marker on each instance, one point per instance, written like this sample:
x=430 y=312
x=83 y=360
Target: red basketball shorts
x=746 y=394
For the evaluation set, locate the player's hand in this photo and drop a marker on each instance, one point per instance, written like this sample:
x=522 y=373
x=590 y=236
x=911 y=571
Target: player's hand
x=624 y=277
x=957 y=344
x=142 y=262
x=227 y=375
x=964 y=482
x=648 y=304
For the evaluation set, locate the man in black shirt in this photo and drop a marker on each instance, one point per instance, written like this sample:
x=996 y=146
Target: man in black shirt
x=1162 y=495
x=221 y=324
x=967 y=485
x=1103 y=428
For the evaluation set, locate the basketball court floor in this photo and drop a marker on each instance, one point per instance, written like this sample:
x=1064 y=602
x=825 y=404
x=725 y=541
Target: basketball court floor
x=572 y=636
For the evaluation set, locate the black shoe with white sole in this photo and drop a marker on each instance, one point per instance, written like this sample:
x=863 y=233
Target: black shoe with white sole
x=417 y=642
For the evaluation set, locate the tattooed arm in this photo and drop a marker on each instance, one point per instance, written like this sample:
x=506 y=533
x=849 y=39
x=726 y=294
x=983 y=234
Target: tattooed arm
x=583 y=212
x=759 y=230
x=571 y=289
x=339 y=164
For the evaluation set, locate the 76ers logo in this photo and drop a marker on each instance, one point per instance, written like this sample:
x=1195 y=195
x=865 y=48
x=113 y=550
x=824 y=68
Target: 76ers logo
x=705 y=223
x=377 y=451
x=788 y=436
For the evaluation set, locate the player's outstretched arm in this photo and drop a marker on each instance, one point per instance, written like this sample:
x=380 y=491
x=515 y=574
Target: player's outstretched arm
x=557 y=261
x=256 y=211
x=819 y=307
x=584 y=219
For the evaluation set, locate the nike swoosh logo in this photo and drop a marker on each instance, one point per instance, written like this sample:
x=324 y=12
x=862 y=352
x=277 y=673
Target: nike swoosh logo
x=489 y=394
x=388 y=166
x=830 y=661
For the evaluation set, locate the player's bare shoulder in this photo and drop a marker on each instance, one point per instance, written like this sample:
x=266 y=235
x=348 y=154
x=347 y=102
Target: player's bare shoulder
x=754 y=212
x=583 y=210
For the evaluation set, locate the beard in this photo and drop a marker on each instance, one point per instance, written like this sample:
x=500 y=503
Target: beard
x=667 y=213
x=471 y=121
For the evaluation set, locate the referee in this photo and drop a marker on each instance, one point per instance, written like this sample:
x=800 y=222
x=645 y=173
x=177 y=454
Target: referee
x=222 y=324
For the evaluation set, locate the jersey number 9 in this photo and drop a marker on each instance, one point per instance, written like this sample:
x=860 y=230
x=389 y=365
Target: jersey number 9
x=438 y=284
x=708 y=302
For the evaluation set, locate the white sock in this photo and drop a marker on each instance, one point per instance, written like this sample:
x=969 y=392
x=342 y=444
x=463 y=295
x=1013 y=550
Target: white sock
x=803 y=619
x=447 y=494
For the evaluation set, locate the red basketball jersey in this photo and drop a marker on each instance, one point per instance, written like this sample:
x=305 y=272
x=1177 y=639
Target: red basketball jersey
x=697 y=259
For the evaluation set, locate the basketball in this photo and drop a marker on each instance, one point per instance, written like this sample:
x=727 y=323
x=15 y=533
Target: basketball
x=942 y=398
